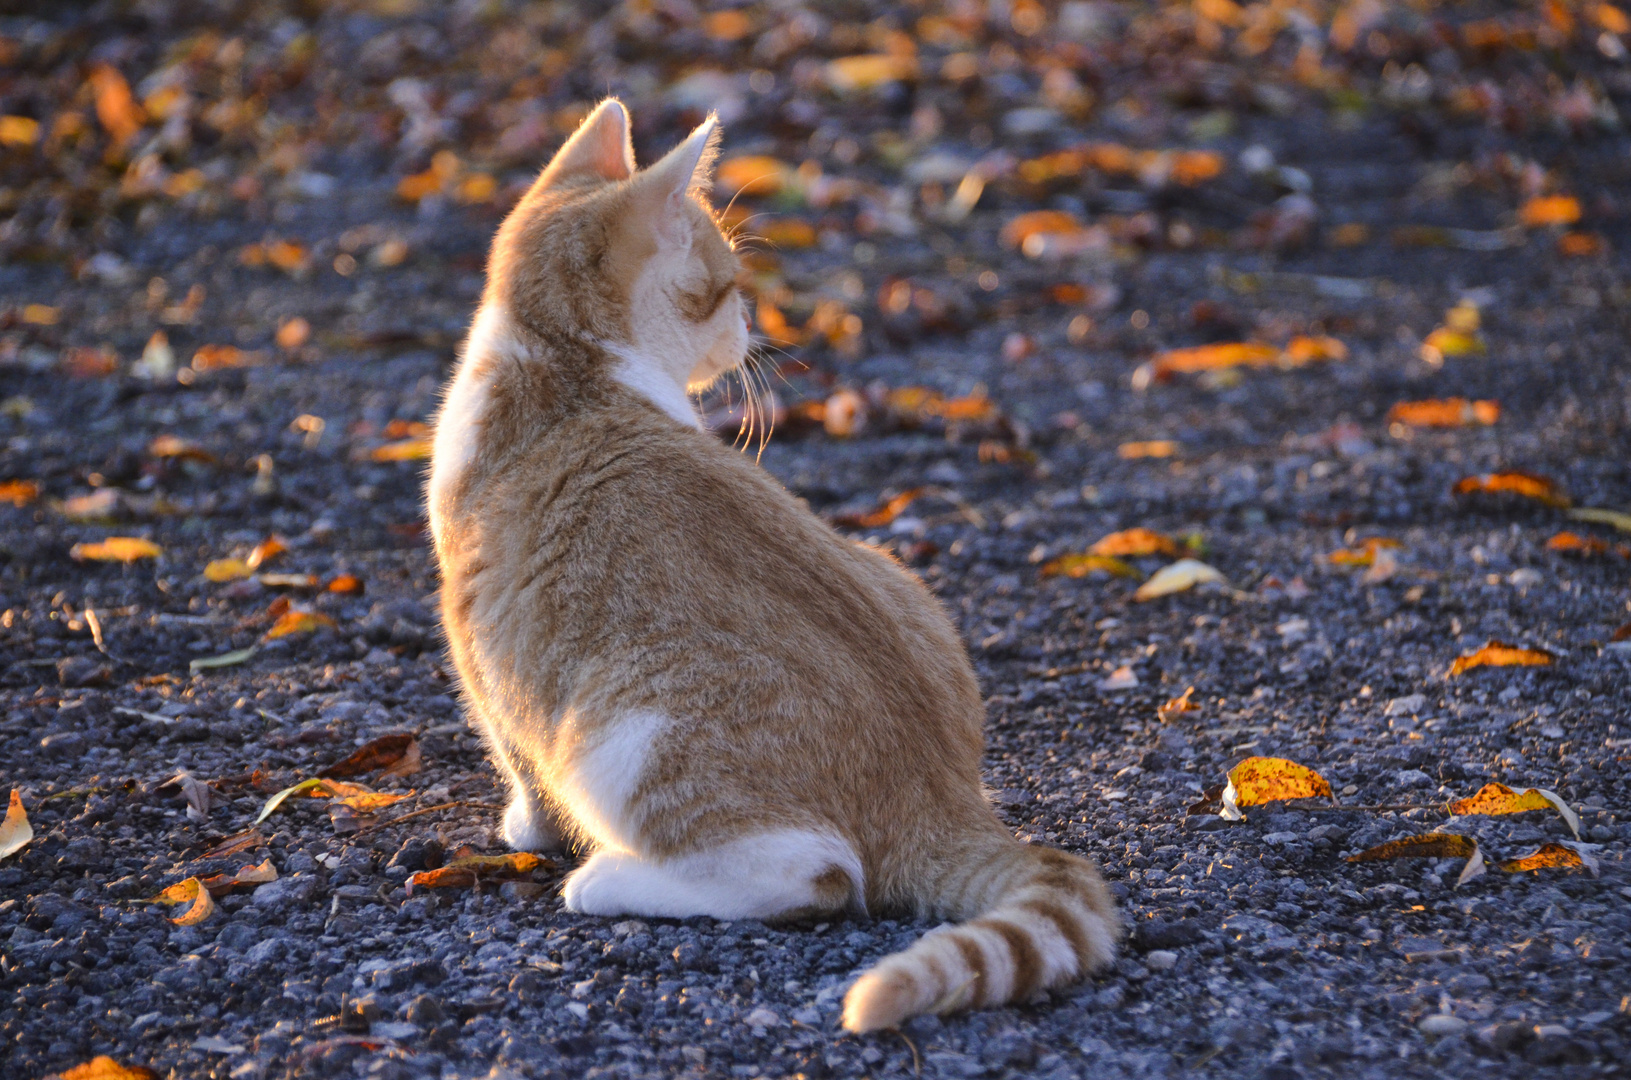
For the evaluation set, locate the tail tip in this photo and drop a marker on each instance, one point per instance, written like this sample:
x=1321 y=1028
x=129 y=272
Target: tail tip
x=879 y=1000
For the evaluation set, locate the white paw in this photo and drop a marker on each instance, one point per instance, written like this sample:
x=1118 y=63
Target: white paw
x=591 y=889
x=525 y=830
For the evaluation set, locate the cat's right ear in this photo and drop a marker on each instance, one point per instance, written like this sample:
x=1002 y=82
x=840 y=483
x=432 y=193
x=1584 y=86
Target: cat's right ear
x=600 y=148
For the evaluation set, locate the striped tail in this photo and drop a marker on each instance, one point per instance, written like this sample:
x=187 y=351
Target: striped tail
x=1046 y=920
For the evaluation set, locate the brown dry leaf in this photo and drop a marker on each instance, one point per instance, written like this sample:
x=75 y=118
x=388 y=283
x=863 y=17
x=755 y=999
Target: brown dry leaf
x=1364 y=556
x=1134 y=542
x=1546 y=210
x=1444 y=412
x=1181 y=704
x=1430 y=846
x=1259 y=780
x=90 y=363
x=235 y=844
x=1079 y=566
x=1551 y=856
x=1500 y=654
x=191 y=892
x=886 y=513
x=404 y=450
x=116 y=107
x=412 y=761
x=123 y=549
x=15 y=830
x=219 y=570
x=195 y=791
x=1527 y=485
x=1496 y=798
x=1181 y=575
x=19 y=493
x=461 y=873
x=1146 y=448
x=298 y=622
x=1621 y=634
x=377 y=754
x=752 y=175
x=103 y=1067
x=1581 y=245
x=220 y=884
x=1213 y=358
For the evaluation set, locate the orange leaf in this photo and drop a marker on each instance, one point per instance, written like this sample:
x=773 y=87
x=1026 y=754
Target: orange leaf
x=19 y=492
x=1430 y=846
x=1192 y=168
x=1214 y=357
x=191 y=892
x=464 y=872
x=1527 y=485
x=90 y=363
x=1550 y=856
x=1038 y=223
x=103 y=1067
x=1581 y=245
x=405 y=450
x=173 y=446
x=1259 y=780
x=15 y=830
x=1495 y=799
x=405 y=429
x=788 y=233
x=264 y=551
x=752 y=175
x=1180 y=704
x=1576 y=544
x=1147 y=448
x=298 y=622
x=1366 y=556
x=1500 y=654
x=1079 y=566
x=116 y=107
x=1302 y=350
x=1544 y=210
x=345 y=583
x=888 y=512
x=117 y=549
x=293 y=333
x=218 y=357
x=731 y=25
x=1444 y=412
x=19 y=131
x=1132 y=543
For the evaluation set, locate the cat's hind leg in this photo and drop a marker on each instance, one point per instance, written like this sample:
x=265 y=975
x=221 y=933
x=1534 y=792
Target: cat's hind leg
x=529 y=823
x=782 y=874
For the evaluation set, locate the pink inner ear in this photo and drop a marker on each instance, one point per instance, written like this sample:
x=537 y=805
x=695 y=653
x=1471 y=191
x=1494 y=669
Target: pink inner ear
x=600 y=147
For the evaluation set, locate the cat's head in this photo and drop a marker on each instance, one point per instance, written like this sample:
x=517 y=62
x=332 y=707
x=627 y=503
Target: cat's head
x=632 y=259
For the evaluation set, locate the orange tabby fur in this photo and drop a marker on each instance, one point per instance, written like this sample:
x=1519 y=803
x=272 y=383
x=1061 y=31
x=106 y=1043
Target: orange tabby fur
x=675 y=663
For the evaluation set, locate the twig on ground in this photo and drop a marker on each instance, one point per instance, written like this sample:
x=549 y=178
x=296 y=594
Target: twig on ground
x=428 y=810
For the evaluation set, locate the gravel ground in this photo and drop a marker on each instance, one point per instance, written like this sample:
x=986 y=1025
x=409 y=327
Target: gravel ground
x=1256 y=950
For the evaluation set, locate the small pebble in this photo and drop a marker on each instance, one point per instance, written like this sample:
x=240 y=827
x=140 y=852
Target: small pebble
x=1160 y=960
x=1442 y=1024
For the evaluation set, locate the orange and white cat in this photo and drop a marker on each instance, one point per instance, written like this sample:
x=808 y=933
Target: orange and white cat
x=741 y=713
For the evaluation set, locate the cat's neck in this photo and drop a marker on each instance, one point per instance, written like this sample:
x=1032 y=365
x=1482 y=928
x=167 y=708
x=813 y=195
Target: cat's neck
x=646 y=377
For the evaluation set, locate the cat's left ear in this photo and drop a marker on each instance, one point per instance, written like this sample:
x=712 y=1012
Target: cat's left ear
x=684 y=171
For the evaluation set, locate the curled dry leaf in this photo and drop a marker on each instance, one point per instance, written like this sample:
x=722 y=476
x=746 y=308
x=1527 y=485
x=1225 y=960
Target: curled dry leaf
x=191 y=892
x=1080 y=566
x=289 y=581
x=1132 y=543
x=175 y=447
x=1181 y=575
x=195 y=791
x=277 y=800
x=222 y=884
x=117 y=549
x=298 y=622
x=229 y=659
x=1430 y=846
x=15 y=831
x=375 y=755
x=1259 y=780
x=1552 y=856
x=235 y=844
x=1444 y=412
x=464 y=872
x=1500 y=654
x=103 y=1067
x=1499 y=799
x=1181 y=704
x=1526 y=485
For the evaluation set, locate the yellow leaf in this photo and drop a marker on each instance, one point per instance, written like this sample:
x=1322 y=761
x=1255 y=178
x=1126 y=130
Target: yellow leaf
x=105 y=1068
x=1500 y=654
x=1445 y=342
x=191 y=892
x=1617 y=518
x=19 y=492
x=752 y=174
x=1180 y=704
x=403 y=450
x=1430 y=846
x=1495 y=799
x=277 y=800
x=117 y=549
x=41 y=314
x=1551 y=856
x=1131 y=543
x=356 y=796
x=1181 y=575
x=15 y=831
x=19 y=130
x=298 y=622
x=1526 y=485
x=219 y=570
x=850 y=73
x=1259 y=780
x=1147 y=448
x=1544 y=210
x=1079 y=566
x=787 y=233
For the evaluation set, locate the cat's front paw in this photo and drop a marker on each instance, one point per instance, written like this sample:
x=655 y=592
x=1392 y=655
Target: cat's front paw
x=529 y=829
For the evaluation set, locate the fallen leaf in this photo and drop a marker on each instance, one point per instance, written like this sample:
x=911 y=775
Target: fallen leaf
x=289 y=581
x=298 y=622
x=787 y=233
x=228 y=659
x=103 y=1067
x=1430 y=846
x=404 y=450
x=1259 y=780
x=1039 y=223
x=1527 y=485
x=1581 y=245
x=116 y=106
x=1545 y=210
x=375 y=755
x=1134 y=542
x=265 y=551
x=1213 y=358
x=1146 y=448
x=195 y=791
x=412 y=761
x=345 y=583
x=847 y=74
x=1500 y=654
x=1304 y=349
x=1123 y=678
x=174 y=446
x=219 y=357
x=19 y=130
x=235 y=844
x=1496 y=798
x=1079 y=566
x=1180 y=704
x=117 y=549
x=1365 y=555
x=1445 y=412
x=1575 y=544
x=99 y=505
x=191 y=892
x=1617 y=518
x=219 y=570
x=1622 y=634
x=15 y=831
x=752 y=175
x=90 y=363
x=221 y=884
x=19 y=492
x=1181 y=575
x=277 y=800
x=1552 y=856
x=886 y=513
x=1446 y=342
x=464 y=872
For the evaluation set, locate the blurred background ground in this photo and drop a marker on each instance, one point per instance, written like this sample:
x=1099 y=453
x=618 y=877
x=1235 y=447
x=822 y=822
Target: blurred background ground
x=1269 y=279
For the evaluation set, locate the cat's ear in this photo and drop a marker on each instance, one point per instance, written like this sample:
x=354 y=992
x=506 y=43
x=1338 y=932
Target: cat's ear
x=599 y=148
x=683 y=171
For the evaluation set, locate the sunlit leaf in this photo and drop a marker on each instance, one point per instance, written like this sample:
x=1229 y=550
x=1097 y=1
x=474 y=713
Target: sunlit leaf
x=1496 y=798
x=227 y=659
x=886 y=513
x=219 y=570
x=847 y=74
x=116 y=106
x=298 y=622
x=1581 y=245
x=1181 y=575
x=1305 y=349
x=41 y=315
x=1259 y=780
x=19 y=492
x=464 y=872
x=289 y=581
x=787 y=233
x=19 y=131
x=404 y=450
x=1365 y=555
x=371 y=757
x=1617 y=518
x=90 y=362
x=293 y=333
x=265 y=551
x=15 y=830
x=117 y=549
x=103 y=1067
x=192 y=893
x=277 y=800
x=751 y=175
x=1133 y=543
x=1445 y=412
x=1526 y=485
x=222 y=884
x=1214 y=358
x=1037 y=223
x=1500 y=654
x=1575 y=544
x=345 y=583
x=1147 y=448
x=1553 y=856
x=1445 y=342
x=1177 y=706
x=730 y=25
x=1544 y=210
x=1080 y=566
x=1430 y=846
